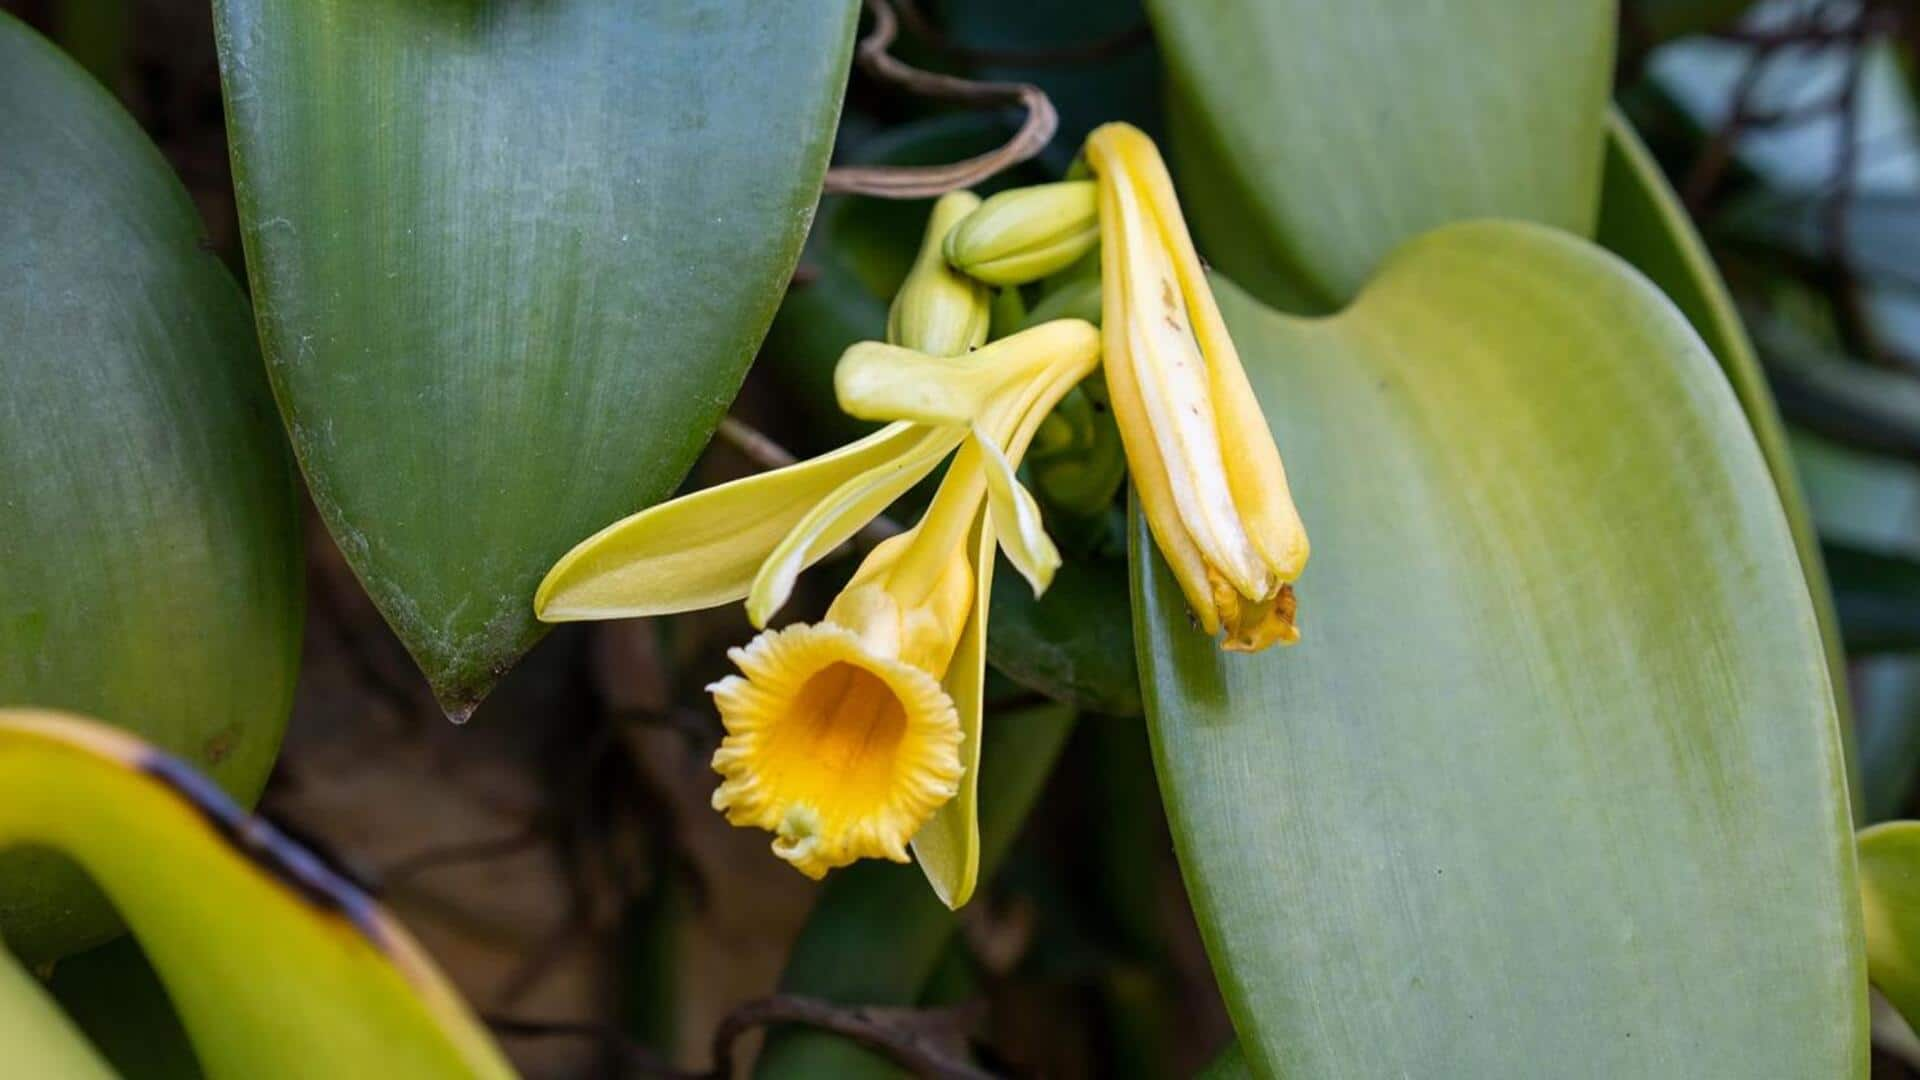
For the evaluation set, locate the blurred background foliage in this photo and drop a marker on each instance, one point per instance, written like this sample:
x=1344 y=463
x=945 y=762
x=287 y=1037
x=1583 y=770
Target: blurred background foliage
x=556 y=855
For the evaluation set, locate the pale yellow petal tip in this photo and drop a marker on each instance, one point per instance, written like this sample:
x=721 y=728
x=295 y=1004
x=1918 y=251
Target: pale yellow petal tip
x=955 y=897
x=840 y=753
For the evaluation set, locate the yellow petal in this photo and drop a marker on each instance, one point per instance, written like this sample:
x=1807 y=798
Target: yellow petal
x=841 y=514
x=884 y=382
x=1016 y=520
x=704 y=549
x=948 y=846
x=1009 y=419
x=841 y=753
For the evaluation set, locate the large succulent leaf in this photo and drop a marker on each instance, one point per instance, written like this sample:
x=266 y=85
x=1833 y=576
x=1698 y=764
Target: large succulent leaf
x=150 y=547
x=277 y=966
x=1557 y=650
x=1643 y=221
x=1340 y=130
x=511 y=262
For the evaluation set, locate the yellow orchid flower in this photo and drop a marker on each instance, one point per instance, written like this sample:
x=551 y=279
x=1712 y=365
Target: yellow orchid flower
x=1202 y=457
x=851 y=737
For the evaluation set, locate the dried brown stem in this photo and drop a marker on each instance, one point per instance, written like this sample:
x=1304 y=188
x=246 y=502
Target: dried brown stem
x=927 y=181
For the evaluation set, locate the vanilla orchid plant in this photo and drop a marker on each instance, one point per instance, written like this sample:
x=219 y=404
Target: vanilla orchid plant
x=850 y=737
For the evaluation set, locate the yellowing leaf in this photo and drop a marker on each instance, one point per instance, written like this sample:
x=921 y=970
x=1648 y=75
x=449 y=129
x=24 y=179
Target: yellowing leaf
x=277 y=966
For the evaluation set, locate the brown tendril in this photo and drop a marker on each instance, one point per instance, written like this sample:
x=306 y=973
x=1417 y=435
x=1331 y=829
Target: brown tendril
x=927 y=181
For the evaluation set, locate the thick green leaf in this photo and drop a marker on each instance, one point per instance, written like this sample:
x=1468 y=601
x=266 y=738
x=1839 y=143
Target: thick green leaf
x=1890 y=901
x=1557 y=651
x=150 y=551
x=511 y=262
x=1344 y=129
x=1643 y=221
x=877 y=932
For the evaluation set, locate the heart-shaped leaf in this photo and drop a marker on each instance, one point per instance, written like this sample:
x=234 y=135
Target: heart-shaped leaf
x=1340 y=130
x=1643 y=221
x=150 y=550
x=511 y=262
x=1556 y=653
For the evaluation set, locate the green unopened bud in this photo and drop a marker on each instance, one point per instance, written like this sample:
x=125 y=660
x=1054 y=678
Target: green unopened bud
x=938 y=310
x=1026 y=234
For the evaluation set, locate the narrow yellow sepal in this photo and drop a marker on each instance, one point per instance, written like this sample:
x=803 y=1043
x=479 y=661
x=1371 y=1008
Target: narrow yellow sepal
x=885 y=382
x=842 y=513
x=948 y=845
x=705 y=549
x=1016 y=520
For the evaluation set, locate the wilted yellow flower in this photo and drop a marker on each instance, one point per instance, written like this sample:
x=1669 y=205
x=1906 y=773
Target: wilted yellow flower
x=1202 y=457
